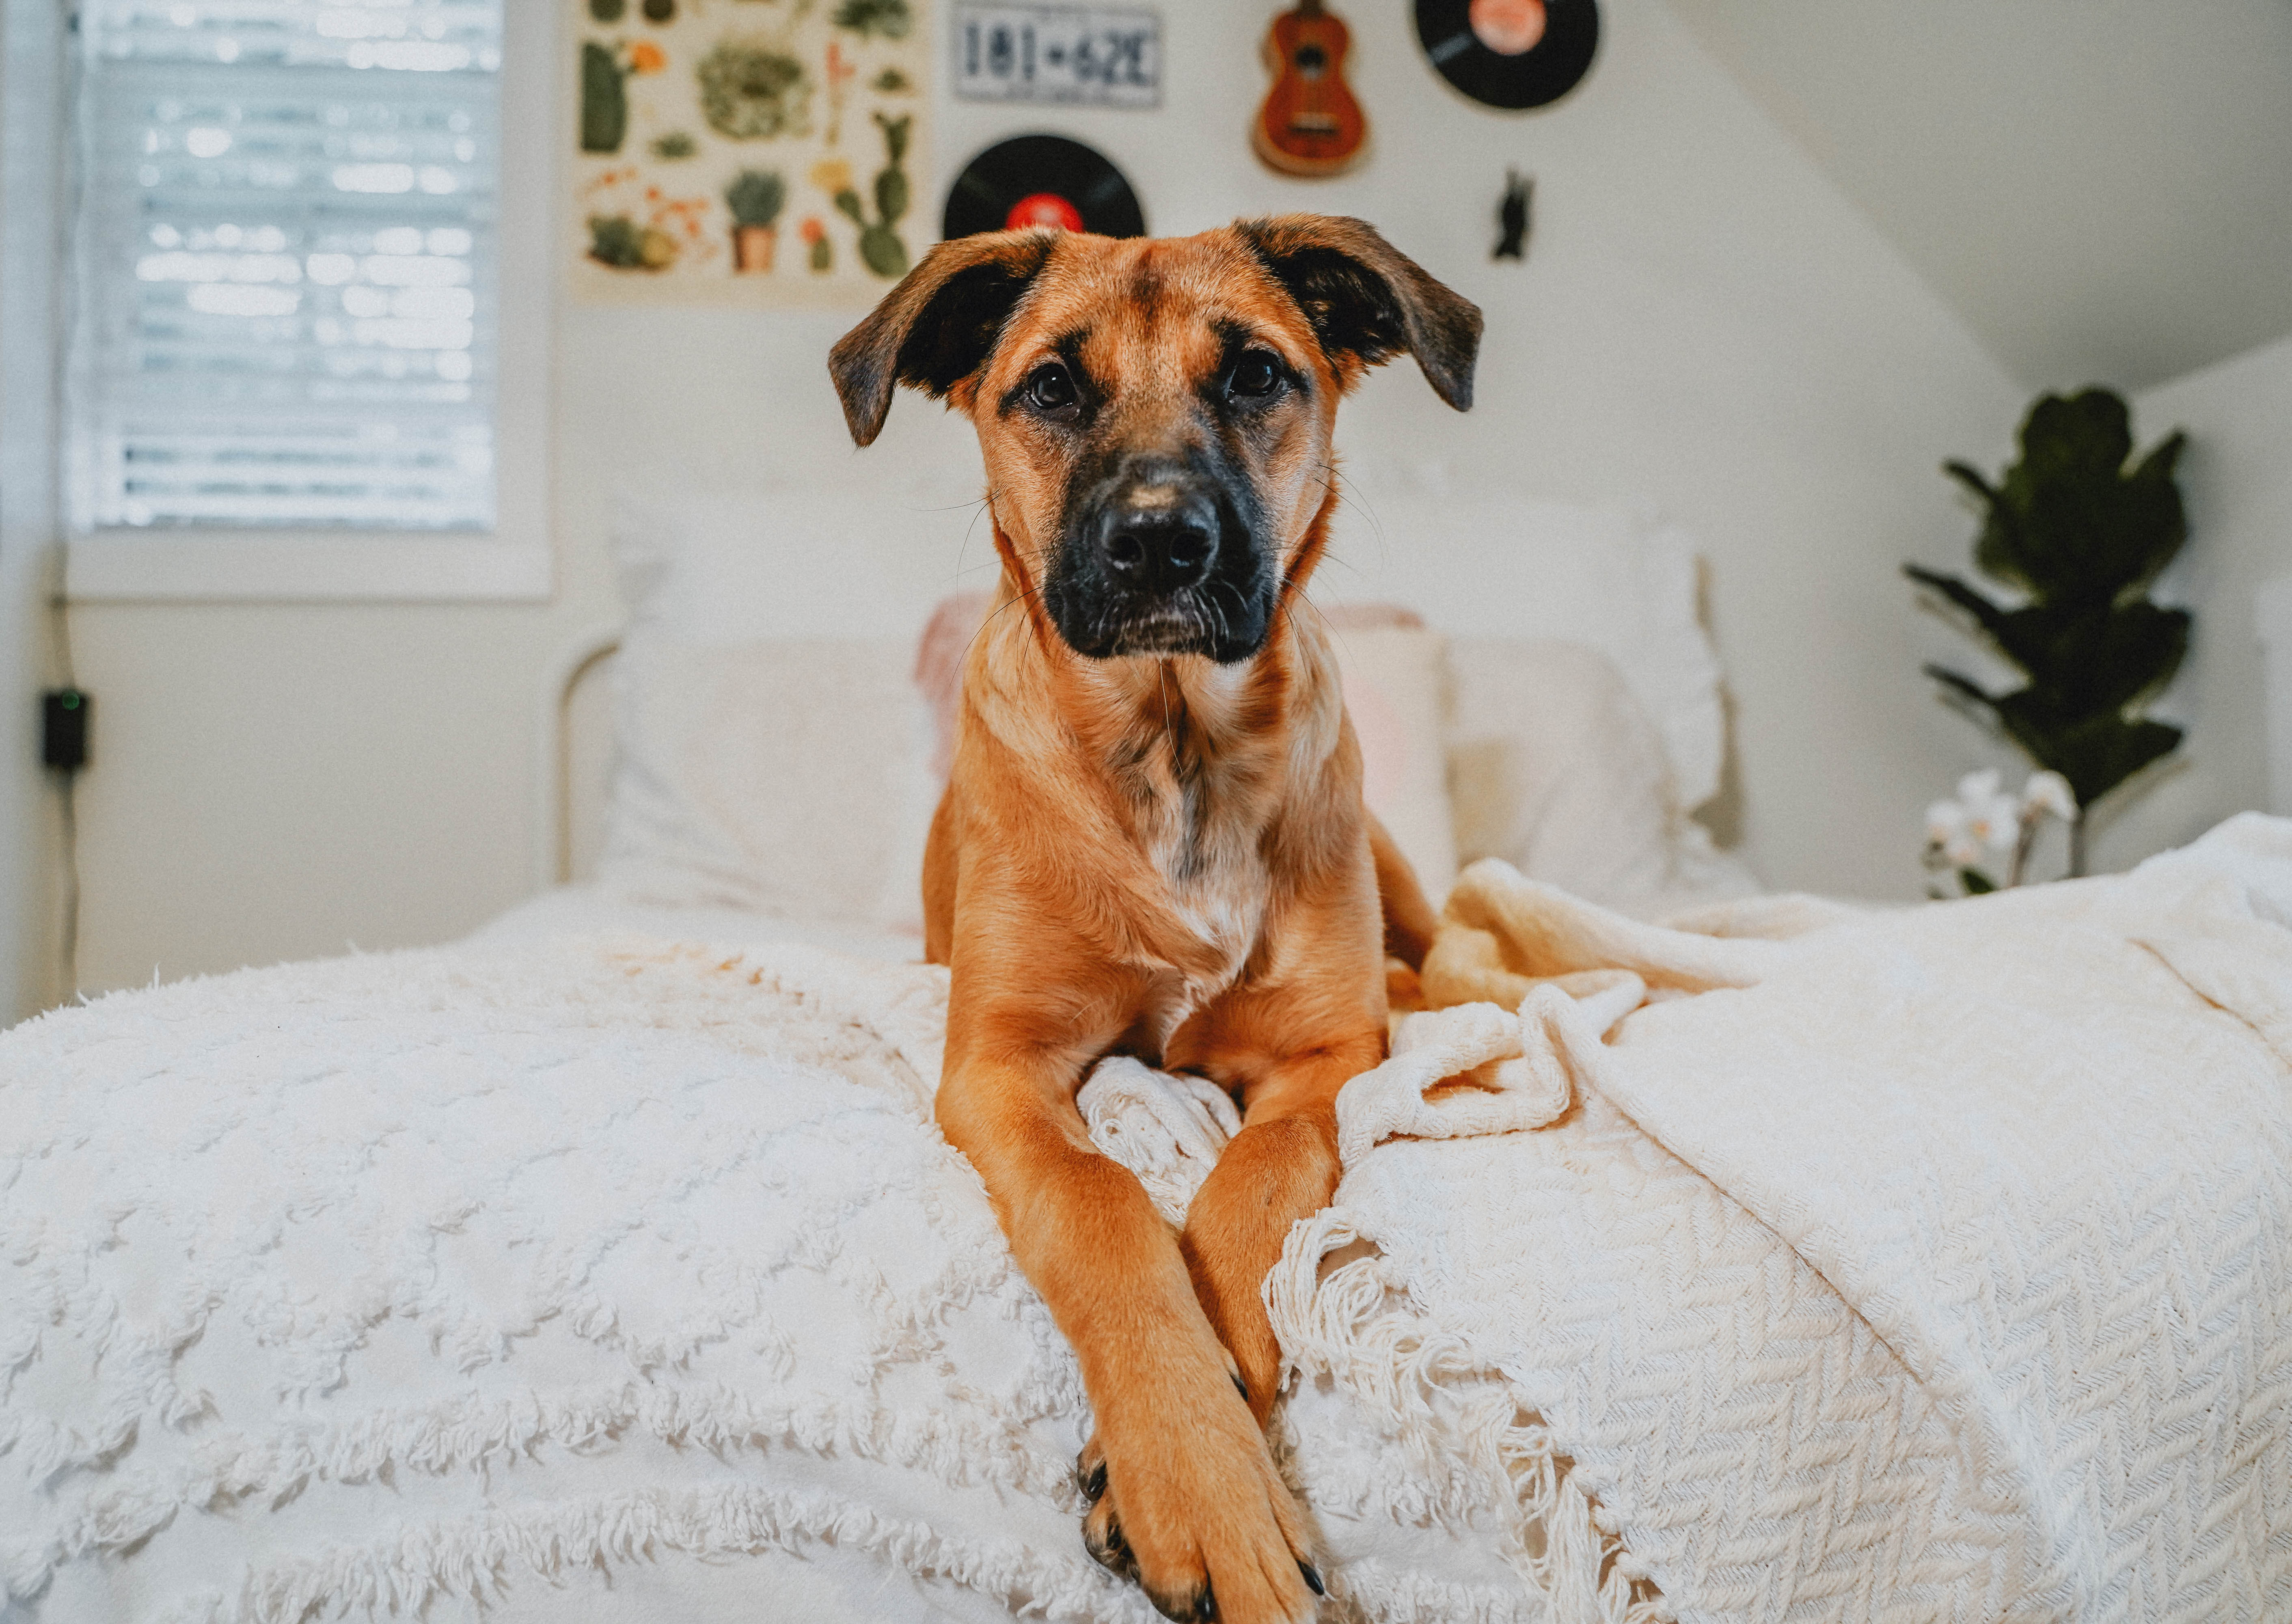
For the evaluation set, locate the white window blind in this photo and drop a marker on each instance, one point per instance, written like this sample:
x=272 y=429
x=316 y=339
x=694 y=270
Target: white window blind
x=287 y=264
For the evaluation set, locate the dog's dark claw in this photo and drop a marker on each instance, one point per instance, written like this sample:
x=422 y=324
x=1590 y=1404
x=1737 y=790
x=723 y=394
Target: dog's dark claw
x=1313 y=1577
x=1204 y=1610
x=1113 y=1554
x=1093 y=1483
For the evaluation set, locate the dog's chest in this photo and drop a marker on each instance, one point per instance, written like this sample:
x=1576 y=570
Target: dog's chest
x=1200 y=819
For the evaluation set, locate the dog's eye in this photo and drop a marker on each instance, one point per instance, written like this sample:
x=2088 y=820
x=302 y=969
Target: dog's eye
x=1255 y=375
x=1051 y=389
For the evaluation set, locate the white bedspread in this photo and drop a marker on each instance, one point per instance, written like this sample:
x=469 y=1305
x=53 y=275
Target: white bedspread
x=559 y=1282
x=1927 y=1266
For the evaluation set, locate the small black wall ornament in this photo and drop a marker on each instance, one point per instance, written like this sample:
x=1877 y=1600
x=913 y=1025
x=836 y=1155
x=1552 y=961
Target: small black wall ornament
x=1512 y=216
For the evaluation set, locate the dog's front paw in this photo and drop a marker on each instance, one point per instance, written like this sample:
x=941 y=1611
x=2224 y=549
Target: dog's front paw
x=1196 y=1514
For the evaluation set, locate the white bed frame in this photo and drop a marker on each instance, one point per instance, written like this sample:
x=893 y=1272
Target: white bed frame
x=574 y=765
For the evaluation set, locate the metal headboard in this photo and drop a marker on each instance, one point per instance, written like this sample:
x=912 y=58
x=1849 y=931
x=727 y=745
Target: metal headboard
x=574 y=744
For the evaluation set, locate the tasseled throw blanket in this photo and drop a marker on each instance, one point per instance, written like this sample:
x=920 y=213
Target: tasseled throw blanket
x=1805 y=1265
x=1929 y=1264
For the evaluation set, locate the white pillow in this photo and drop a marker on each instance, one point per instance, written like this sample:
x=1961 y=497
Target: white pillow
x=1555 y=766
x=729 y=567
x=1483 y=565
x=785 y=778
x=1395 y=685
x=773 y=755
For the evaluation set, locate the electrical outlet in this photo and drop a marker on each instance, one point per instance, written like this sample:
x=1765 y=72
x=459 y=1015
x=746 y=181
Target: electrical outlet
x=63 y=728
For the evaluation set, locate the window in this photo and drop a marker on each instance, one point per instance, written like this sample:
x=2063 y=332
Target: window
x=291 y=373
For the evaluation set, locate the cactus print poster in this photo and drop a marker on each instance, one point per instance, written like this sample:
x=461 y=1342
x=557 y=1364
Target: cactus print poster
x=750 y=152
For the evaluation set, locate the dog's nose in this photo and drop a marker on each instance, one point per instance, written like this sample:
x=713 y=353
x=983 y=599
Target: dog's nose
x=1162 y=543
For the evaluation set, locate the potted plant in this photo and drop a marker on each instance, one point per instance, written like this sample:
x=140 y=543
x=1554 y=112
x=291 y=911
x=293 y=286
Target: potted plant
x=625 y=244
x=2076 y=530
x=754 y=196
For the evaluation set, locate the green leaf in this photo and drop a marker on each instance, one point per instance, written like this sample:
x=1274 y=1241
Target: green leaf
x=2084 y=435
x=755 y=197
x=2158 y=523
x=1964 y=686
x=2068 y=521
x=847 y=202
x=2097 y=662
x=1976 y=883
x=890 y=195
x=895 y=135
x=891 y=18
x=1995 y=623
x=604 y=100
x=882 y=251
x=1969 y=476
x=2095 y=754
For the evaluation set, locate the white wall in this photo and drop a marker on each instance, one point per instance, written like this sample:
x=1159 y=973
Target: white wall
x=1990 y=142
x=28 y=802
x=1703 y=327
x=2237 y=477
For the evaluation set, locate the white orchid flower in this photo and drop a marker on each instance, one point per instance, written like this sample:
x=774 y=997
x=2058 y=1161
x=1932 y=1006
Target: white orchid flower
x=1983 y=820
x=1976 y=788
x=2048 y=792
x=1949 y=831
x=1992 y=818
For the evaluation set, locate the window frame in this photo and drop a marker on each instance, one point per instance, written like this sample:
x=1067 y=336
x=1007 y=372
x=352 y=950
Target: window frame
x=514 y=561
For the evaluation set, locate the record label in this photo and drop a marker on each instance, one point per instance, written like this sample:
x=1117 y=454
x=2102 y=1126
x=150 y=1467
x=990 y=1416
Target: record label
x=1512 y=54
x=1041 y=180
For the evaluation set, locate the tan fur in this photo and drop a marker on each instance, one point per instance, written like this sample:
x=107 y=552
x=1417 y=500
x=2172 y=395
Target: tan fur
x=1159 y=855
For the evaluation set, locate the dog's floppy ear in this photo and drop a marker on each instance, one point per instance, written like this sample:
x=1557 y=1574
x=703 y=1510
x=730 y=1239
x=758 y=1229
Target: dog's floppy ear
x=1367 y=301
x=937 y=327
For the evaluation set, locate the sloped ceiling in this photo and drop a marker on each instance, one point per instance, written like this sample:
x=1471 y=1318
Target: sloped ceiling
x=2102 y=189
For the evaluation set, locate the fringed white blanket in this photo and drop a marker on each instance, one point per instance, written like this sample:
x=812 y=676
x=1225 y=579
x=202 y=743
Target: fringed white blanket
x=1921 y=1266
x=1997 y=1321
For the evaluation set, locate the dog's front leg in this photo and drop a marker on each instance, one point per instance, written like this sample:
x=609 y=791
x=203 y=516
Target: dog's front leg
x=1189 y=1496
x=1281 y=1166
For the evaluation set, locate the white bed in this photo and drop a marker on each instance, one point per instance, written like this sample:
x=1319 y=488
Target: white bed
x=1802 y=1264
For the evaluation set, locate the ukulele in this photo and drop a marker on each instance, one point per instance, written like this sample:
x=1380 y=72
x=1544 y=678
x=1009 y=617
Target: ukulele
x=1309 y=124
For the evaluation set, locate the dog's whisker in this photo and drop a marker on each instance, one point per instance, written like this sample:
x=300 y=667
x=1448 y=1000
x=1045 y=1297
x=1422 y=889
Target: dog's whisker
x=1025 y=593
x=983 y=506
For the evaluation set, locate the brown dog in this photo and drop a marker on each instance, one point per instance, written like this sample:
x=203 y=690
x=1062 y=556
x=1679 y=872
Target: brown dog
x=1153 y=840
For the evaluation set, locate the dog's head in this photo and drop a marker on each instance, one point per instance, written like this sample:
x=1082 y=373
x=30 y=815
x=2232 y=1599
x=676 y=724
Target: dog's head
x=1156 y=413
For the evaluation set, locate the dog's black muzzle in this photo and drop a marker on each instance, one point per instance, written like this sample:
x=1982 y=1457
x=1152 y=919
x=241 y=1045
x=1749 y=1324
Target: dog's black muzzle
x=1161 y=557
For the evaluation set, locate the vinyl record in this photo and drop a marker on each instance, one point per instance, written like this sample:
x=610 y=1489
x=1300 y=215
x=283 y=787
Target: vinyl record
x=1041 y=180
x=1510 y=53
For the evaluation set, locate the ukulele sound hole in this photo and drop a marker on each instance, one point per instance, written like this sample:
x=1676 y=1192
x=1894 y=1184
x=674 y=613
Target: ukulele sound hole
x=1311 y=60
